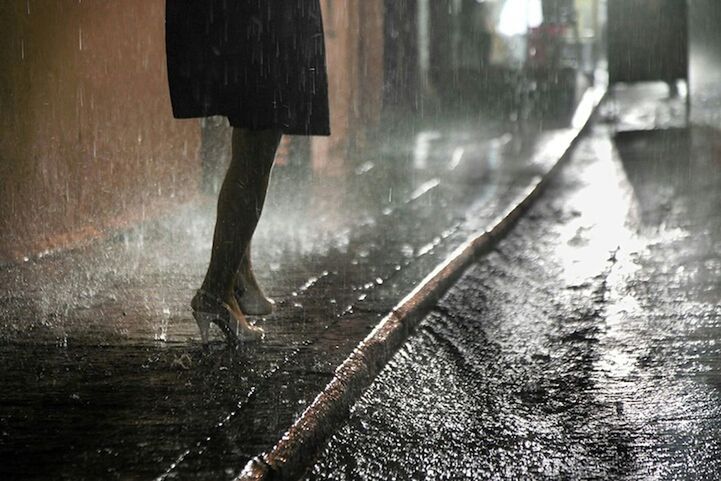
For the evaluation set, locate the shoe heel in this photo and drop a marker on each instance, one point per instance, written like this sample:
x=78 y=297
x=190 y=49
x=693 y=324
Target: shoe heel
x=229 y=326
x=203 y=319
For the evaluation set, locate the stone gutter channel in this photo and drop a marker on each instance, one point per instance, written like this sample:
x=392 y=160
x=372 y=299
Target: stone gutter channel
x=291 y=455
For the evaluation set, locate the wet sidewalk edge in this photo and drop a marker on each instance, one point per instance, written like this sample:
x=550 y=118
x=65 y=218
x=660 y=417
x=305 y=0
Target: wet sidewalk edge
x=292 y=454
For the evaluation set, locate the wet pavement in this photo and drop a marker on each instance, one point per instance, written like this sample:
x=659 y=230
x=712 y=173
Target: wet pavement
x=586 y=346
x=103 y=375
x=647 y=106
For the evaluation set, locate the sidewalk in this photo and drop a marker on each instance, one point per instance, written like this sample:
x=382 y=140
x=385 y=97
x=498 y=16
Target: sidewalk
x=103 y=372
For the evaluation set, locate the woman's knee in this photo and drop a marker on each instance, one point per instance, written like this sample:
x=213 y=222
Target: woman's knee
x=254 y=151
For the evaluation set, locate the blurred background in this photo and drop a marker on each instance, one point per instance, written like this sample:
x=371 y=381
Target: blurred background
x=89 y=143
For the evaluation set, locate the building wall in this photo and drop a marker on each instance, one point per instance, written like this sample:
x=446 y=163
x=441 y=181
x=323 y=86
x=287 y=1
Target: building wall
x=647 y=29
x=354 y=43
x=705 y=69
x=401 y=54
x=88 y=141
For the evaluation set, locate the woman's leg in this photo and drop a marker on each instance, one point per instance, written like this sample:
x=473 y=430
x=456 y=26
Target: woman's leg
x=240 y=203
x=250 y=295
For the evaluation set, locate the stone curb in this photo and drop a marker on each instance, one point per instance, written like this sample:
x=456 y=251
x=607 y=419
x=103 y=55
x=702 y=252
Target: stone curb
x=291 y=456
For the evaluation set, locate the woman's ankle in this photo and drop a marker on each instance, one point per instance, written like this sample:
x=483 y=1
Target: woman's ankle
x=212 y=294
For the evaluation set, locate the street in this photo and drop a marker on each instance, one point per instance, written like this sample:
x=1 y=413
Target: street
x=103 y=371
x=375 y=240
x=586 y=346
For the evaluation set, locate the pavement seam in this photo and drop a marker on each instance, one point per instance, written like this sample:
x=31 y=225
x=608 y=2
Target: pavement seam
x=291 y=455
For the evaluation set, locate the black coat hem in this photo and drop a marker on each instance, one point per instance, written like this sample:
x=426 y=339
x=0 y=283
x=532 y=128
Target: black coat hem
x=315 y=131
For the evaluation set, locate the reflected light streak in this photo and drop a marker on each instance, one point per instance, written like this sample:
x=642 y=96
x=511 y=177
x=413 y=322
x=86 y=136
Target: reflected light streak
x=592 y=240
x=456 y=158
x=422 y=148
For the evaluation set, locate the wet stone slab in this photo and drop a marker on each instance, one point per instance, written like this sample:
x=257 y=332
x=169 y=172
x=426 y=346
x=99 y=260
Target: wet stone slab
x=102 y=372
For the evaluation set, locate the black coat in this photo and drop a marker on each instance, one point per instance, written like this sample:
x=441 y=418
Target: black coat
x=261 y=63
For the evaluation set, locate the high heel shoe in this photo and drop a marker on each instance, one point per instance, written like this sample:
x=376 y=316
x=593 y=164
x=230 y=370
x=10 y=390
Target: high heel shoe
x=209 y=309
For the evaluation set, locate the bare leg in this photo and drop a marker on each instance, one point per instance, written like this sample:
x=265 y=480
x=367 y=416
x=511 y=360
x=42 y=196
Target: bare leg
x=240 y=203
x=250 y=296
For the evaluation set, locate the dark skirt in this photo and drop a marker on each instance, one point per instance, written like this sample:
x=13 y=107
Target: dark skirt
x=261 y=63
